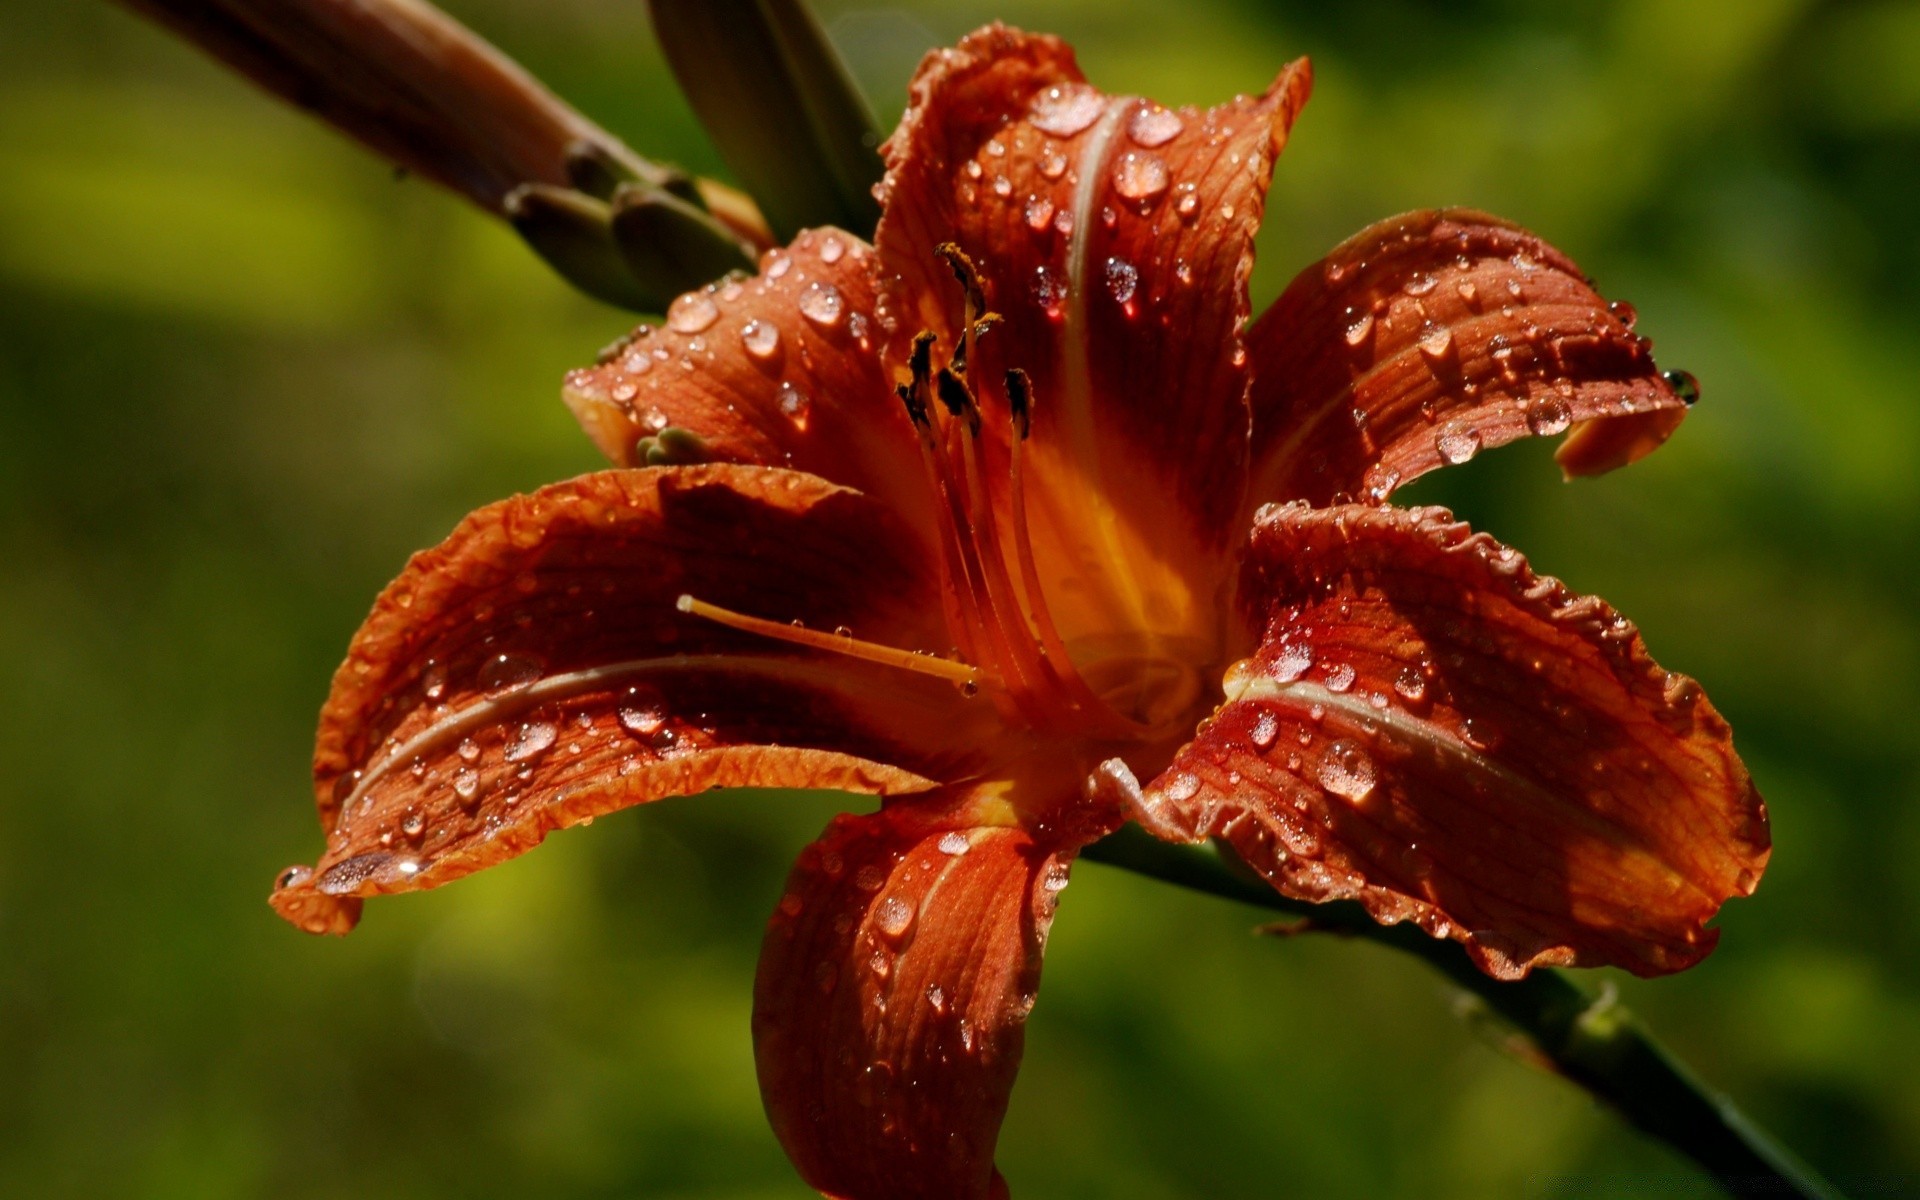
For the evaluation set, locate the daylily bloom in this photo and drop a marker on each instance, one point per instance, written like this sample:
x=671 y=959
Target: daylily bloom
x=1010 y=511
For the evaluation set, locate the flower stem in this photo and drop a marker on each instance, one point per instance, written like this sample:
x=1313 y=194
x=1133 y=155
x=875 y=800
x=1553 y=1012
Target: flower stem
x=1593 y=1041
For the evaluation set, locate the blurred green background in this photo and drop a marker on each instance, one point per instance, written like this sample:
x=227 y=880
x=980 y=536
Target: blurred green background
x=243 y=373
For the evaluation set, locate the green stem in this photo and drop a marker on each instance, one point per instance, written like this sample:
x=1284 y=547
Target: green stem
x=1595 y=1042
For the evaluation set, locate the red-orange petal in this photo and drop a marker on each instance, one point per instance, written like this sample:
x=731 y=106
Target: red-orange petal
x=532 y=672
x=893 y=991
x=1435 y=731
x=780 y=370
x=1431 y=336
x=1115 y=238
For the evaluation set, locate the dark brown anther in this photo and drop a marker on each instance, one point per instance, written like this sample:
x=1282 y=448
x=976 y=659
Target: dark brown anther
x=980 y=329
x=959 y=400
x=1020 y=401
x=920 y=361
x=916 y=409
x=962 y=267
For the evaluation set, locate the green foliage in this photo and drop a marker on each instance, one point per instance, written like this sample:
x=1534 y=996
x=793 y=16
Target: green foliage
x=243 y=374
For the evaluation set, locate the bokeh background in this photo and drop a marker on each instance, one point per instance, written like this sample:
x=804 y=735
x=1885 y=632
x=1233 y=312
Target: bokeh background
x=243 y=373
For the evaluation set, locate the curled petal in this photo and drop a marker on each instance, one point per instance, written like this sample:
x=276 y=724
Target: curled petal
x=533 y=672
x=780 y=370
x=1115 y=238
x=1432 y=729
x=892 y=996
x=1431 y=336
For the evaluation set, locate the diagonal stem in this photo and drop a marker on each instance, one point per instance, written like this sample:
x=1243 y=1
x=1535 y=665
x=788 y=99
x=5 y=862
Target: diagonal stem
x=1595 y=1042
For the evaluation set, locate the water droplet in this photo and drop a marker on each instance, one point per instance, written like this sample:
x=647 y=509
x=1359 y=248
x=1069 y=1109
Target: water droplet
x=1548 y=415
x=1140 y=177
x=643 y=713
x=1340 y=677
x=1063 y=222
x=761 y=338
x=692 y=313
x=1292 y=662
x=794 y=403
x=1002 y=186
x=504 y=672
x=1359 y=329
x=1189 y=203
x=1154 y=126
x=1436 y=342
x=653 y=420
x=893 y=917
x=466 y=784
x=821 y=304
x=1684 y=385
x=775 y=264
x=1266 y=728
x=1183 y=271
x=937 y=997
x=1624 y=312
x=1066 y=110
x=1457 y=442
x=347 y=874
x=1039 y=213
x=468 y=749
x=413 y=825
x=1122 y=279
x=532 y=738
x=869 y=878
x=1053 y=164
x=1181 y=786
x=954 y=843
x=831 y=248
x=1420 y=284
x=1346 y=771
x=1049 y=290
x=293 y=877
x=1410 y=684
x=1058 y=874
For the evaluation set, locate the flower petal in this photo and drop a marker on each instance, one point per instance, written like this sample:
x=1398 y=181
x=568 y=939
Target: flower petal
x=1115 y=238
x=1433 y=335
x=892 y=995
x=533 y=672
x=781 y=370
x=1435 y=731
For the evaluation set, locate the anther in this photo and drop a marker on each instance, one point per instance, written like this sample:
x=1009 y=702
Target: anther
x=967 y=677
x=1020 y=401
x=959 y=400
x=963 y=270
x=916 y=409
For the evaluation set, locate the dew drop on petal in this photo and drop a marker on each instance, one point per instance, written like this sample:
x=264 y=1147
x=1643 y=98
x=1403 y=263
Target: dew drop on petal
x=775 y=264
x=1053 y=164
x=794 y=404
x=1122 y=279
x=1182 y=786
x=1058 y=874
x=821 y=304
x=1410 y=684
x=1140 y=177
x=1049 y=290
x=1624 y=312
x=1188 y=206
x=893 y=916
x=869 y=878
x=1359 y=329
x=1340 y=677
x=1066 y=109
x=1292 y=662
x=468 y=749
x=1457 y=442
x=1548 y=415
x=1436 y=343
x=692 y=313
x=504 y=672
x=1039 y=213
x=831 y=248
x=532 y=738
x=1266 y=729
x=466 y=784
x=761 y=338
x=954 y=843
x=1154 y=126
x=1346 y=771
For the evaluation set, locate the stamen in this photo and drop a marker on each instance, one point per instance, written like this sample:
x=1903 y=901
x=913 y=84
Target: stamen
x=959 y=400
x=966 y=676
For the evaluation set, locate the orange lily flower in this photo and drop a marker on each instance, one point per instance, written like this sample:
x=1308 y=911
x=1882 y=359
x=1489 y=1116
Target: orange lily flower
x=961 y=519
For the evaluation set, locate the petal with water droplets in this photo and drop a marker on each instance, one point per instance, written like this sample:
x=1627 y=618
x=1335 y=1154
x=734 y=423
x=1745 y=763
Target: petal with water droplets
x=533 y=672
x=1505 y=764
x=730 y=356
x=1431 y=335
x=892 y=996
x=1118 y=253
